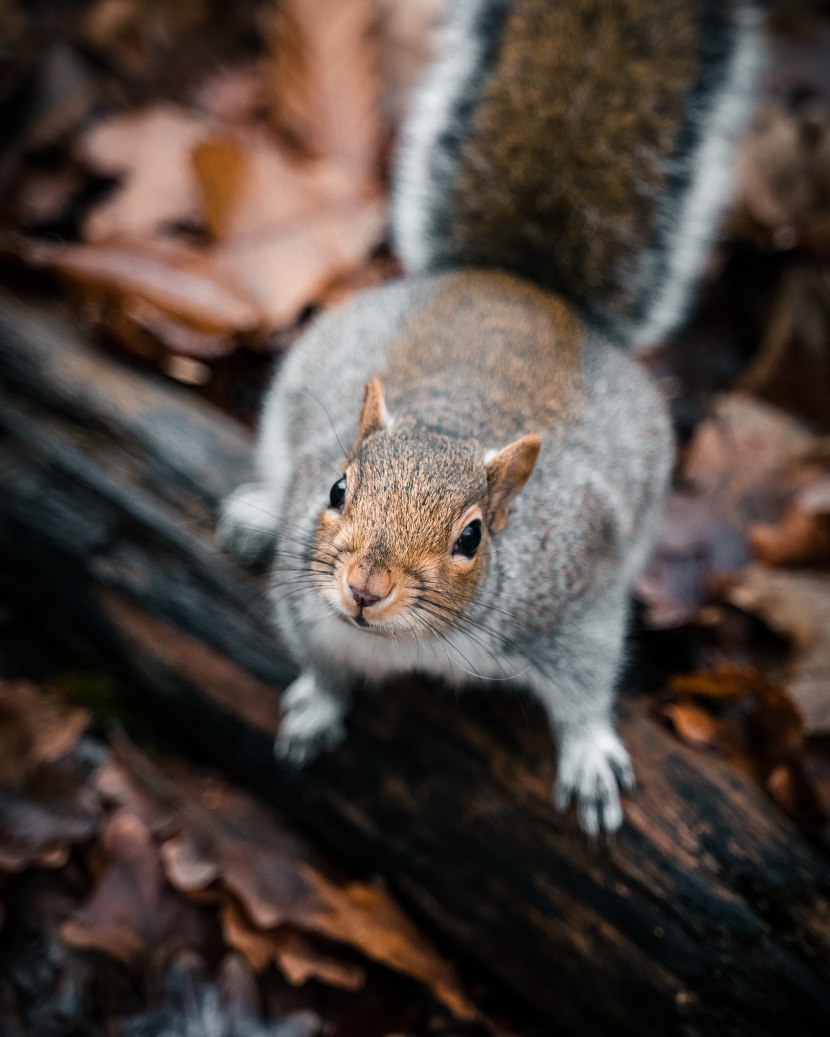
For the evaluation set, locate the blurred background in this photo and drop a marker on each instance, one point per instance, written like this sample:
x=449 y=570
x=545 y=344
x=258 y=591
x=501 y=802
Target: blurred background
x=187 y=183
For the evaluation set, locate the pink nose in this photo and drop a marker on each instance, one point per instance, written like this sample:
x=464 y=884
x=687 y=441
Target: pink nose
x=363 y=596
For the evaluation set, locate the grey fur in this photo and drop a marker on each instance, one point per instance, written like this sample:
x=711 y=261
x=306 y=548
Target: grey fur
x=550 y=614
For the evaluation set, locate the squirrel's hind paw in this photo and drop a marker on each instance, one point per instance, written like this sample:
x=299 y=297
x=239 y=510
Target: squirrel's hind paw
x=592 y=767
x=312 y=721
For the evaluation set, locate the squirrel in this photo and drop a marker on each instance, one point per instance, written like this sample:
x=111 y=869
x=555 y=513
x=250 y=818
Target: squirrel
x=461 y=473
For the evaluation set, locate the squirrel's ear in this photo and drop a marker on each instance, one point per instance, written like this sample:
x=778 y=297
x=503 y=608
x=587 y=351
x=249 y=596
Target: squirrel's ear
x=507 y=472
x=373 y=415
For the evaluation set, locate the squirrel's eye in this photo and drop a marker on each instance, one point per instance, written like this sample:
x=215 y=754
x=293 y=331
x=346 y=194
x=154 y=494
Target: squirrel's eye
x=338 y=494
x=467 y=543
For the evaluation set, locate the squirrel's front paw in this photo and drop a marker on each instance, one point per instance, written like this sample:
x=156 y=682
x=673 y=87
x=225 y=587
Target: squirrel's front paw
x=592 y=766
x=312 y=720
x=248 y=522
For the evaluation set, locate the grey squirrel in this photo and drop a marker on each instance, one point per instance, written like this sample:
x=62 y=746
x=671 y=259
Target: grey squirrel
x=482 y=514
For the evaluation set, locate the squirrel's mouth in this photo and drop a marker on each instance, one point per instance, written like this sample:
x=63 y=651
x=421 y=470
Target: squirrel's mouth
x=362 y=623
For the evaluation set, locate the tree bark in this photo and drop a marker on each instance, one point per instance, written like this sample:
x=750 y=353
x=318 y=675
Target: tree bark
x=708 y=914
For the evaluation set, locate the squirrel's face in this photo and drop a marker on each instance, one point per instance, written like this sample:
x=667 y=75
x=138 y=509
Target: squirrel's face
x=403 y=538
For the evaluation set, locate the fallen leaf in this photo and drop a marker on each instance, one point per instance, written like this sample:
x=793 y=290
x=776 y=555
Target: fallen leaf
x=297 y=957
x=54 y=727
x=752 y=722
x=696 y=726
x=232 y=94
x=179 y=338
x=149 y=150
x=802 y=537
x=167 y=277
x=367 y=918
x=795 y=604
x=783 y=178
x=744 y=466
x=323 y=85
x=41 y=834
x=284 y=228
x=229 y=841
x=132 y=913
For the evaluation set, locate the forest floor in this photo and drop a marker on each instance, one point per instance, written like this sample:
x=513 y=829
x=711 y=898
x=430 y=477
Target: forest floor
x=194 y=181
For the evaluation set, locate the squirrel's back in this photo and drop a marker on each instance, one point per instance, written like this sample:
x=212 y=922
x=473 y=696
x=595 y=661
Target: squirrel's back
x=585 y=145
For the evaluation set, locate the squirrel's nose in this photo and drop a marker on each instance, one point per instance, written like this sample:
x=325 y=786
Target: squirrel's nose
x=363 y=596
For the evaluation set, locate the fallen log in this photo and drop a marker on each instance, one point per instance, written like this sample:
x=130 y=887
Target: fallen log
x=708 y=913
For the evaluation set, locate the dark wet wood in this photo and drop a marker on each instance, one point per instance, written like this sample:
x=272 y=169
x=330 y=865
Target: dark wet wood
x=708 y=915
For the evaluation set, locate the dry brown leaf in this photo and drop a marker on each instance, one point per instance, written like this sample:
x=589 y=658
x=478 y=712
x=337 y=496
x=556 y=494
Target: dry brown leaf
x=132 y=914
x=233 y=94
x=149 y=150
x=797 y=605
x=367 y=918
x=696 y=726
x=45 y=805
x=52 y=728
x=230 y=842
x=744 y=466
x=324 y=81
x=285 y=228
x=297 y=957
x=802 y=537
x=751 y=721
x=289 y=267
x=41 y=834
x=219 y=166
x=138 y=36
x=783 y=178
x=170 y=279
x=138 y=315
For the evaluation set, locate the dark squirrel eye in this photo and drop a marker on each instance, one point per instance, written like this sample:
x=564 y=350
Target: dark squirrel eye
x=338 y=494
x=467 y=543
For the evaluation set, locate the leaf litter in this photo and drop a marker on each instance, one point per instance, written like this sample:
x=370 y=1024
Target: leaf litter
x=200 y=196
x=179 y=874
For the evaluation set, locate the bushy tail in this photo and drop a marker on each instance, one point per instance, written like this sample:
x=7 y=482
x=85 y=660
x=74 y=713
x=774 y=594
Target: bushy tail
x=584 y=144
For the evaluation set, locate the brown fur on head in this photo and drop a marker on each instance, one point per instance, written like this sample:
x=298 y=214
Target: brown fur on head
x=392 y=550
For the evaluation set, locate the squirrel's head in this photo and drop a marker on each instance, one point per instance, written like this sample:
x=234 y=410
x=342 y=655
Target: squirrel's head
x=404 y=535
